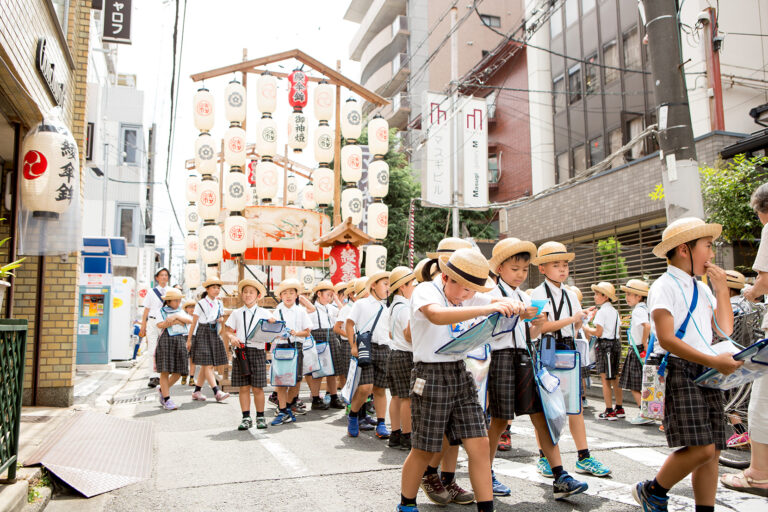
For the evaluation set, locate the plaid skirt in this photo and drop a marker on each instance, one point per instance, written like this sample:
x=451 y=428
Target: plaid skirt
x=608 y=354
x=207 y=347
x=345 y=352
x=399 y=369
x=337 y=353
x=632 y=372
x=171 y=354
x=693 y=415
x=376 y=372
x=257 y=365
x=448 y=405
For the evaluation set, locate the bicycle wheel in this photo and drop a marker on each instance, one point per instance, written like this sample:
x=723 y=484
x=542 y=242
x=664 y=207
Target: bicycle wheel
x=736 y=403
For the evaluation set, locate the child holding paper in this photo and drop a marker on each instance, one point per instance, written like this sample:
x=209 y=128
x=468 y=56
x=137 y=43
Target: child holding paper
x=639 y=333
x=208 y=350
x=171 y=356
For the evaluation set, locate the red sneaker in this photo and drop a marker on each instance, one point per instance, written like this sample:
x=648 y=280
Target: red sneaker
x=505 y=442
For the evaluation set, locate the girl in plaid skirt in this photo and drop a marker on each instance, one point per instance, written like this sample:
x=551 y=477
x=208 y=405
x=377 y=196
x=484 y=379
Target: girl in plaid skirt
x=171 y=355
x=189 y=308
x=323 y=320
x=638 y=334
x=208 y=349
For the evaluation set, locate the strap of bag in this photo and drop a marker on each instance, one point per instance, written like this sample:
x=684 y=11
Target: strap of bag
x=684 y=326
x=373 y=328
x=632 y=338
x=392 y=317
x=157 y=292
x=557 y=312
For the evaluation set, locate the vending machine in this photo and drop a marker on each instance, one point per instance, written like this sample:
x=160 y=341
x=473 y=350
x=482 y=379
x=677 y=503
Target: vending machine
x=93 y=314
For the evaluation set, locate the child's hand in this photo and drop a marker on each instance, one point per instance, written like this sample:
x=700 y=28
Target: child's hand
x=578 y=317
x=189 y=345
x=539 y=320
x=506 y=308
x=748 y=293
x=271 y=320
x=716 y=276
x=235 y=342
x=725 y=363
x=530 y=312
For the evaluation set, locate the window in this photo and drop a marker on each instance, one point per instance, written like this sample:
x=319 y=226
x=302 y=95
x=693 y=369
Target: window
x=555 y=24
x=493 y=168
x=574 y=84
x=571 y=12
x=591 y=75
x=562 y=167
x=491 y=21
x=62 y=12
x=587 y=5
x=596 y=151
x=611 y=58
x=634 y=127
x=89 y=142
x=615 y=142
x=632 y=49
x=128 y=223
x=129 y=145
x=558 y=88
x=579 y=160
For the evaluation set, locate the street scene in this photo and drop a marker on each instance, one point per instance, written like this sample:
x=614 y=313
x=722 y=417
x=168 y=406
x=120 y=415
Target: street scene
x=378 y=255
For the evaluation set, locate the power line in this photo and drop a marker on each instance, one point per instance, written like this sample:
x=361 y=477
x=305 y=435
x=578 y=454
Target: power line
x=728 y=33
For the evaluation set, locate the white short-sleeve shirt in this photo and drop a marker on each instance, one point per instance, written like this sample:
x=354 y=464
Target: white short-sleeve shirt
x=515 y=338
x=295 y=318
x=399 y=316
x=153 y=303
x=608 y=318
x=324 y=317
x=244 y=319
x=343 y=315
x=208 y=311
x=640 y=317
x=363 y=315
x=540 y=293
x=673 y=292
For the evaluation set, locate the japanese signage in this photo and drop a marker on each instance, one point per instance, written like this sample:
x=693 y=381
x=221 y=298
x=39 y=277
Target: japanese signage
x=436 y=180
x=117 y=21
x=46 y=69
x=473 y=141
x=345 y=263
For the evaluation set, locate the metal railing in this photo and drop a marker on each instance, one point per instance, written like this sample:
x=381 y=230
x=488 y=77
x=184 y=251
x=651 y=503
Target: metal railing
x=13 y=345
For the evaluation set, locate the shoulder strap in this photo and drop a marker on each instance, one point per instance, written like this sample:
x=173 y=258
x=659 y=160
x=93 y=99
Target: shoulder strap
x=694 y=301
x=157 y=292
x=373 y=328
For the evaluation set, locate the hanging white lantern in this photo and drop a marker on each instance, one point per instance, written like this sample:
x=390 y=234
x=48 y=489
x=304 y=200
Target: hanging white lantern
x=266 y=92
x=352 y=205
x=208 y=202
x=378 y=135
x=202 y=104
x=267 y=179
x=378 y=178
x=234 y=106
x=193 y=182
x=192 y=275
x=205 y=154
x=308 y=278
x=266 y=136
x=324 y=136
x=324 y=100
x=378 y=220
x=234 y=145
x=298 y=131
x=351 y=163
x=191 y=218
x=210 y=244
x=322 y=182
x=351 y=120
x=375 y=259
x=290 y=272
x=235 y=235
x=236 y=193
x=307 y=195
x=191 y=247
x=291 y=190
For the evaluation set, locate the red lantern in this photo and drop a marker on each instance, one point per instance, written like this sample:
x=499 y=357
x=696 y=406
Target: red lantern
x=345 y=263
x=297 y=95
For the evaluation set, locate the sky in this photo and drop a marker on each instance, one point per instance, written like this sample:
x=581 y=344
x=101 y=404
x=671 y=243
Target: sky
x=215 y=35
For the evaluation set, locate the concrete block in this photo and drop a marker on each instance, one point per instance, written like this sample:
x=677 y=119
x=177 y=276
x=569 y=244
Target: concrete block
x=13 y=497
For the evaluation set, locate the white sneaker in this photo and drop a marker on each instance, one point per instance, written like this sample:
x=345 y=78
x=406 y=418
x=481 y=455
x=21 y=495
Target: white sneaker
x=639 y=420
x=220 y=396
x=198 y=395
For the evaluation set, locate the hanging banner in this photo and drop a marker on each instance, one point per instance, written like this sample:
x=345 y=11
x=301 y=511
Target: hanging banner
x=436 y=180
x=473 y=141
x=345 y=263
x=117 y=21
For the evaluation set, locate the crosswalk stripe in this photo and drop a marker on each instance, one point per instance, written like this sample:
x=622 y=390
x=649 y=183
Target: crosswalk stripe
x=282 y=455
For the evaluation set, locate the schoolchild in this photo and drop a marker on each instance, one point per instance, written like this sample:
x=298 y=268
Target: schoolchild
x=417 y=270
x=736 y=283
x=340 y=329
x=189 y=308
x=204 y=341
x=171 y=356
x=323 y=320
x=153 y=302
x=636 y=292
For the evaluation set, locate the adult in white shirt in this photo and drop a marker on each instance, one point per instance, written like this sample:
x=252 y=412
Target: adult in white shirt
x=153 y=303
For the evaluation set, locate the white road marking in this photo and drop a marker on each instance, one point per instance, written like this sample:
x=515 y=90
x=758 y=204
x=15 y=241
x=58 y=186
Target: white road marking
x=284 y=457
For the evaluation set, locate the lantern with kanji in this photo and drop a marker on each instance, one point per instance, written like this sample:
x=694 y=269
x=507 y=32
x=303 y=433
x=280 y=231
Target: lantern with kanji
x=298 y=131
x=351 y=163
x=378 y=178
x=193 y=182
x=191 y=218
x=234 y=145
x=345 y=263
x=210 y=243
x=351 y=120
x=375 y=259
x=352 y=204
x=322 y=183
x=297 y=94
x=266 y=92
x=235 y=234
x=209 y=202
x=234 y=104
x=291 y=190
x=307 y=278
x=378 y=220
x=202 y=106
x=307 y=197
x=205 y=154
x=236 y=196
x=266 y=136
x=324 y=100
x=291 y=272
x=378 y=135
x=192 y=274
x=267 y=179
x=191 y=247
x=324 y=143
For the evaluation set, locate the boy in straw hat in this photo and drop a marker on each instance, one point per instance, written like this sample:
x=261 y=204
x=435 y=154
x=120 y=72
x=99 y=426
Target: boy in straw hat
x=340 y=330
x=510 y=378
x=417 y=270
x=736 y=282
x=208 y=349
x=564 y=319
x=240 y=327
x=444 y=400
x=683 y=311
x=636 y=290
x=608 y=350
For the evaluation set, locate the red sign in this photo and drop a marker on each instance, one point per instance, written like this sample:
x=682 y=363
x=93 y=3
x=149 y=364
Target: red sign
x=297 y=95
x=345 y=263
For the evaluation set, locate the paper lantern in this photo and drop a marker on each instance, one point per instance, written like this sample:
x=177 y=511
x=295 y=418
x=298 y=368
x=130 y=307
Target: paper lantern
x=375 y=259
x=298 y=131
x=344 y=264
x=205 y=154
x=234 y=106
x=50 y=171
x=351 y=163
x=378 y=220
x=378 y=178
x=191 y=247
x=322 y=182
x=210 y=244
x=236 y=196
x=203 y=109
x=378 y=135
x=290 y=272
x=297 y=94
x=307 y=195
x=267 y=179
x=191 y=218
x=352 y=205
x=324 y=100
x=291 y=190
x=266 y=136
x=324 y=138
x=208 y=202
x=351 y=120
x=193 y=182
x=266 y=92
x=308 y=277
x=192 y=275
x=235 y=235
x=234 y=145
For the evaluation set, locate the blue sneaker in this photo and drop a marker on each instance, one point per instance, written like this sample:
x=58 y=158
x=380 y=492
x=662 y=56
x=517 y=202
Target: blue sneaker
x=592 y=466
x=291 y=417
x=406 y=508
x=353 y=426
x=499 y=489
x=367 y=423
x=566 y=486
x=649 y=502
x=381 y=431
x=544 y=468
x=370 y=420
x=281 y=418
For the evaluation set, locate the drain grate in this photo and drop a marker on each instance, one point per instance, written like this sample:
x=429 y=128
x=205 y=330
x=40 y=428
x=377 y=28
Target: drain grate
x=29 y=418
x=133 y=399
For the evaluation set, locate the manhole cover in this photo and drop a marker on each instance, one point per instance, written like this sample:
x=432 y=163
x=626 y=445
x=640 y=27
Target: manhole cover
x=27 y=418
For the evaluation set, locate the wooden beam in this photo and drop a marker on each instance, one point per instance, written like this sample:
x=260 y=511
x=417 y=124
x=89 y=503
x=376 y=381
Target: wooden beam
x=337 y=157
x=258 y=71
x=244 y=66
x=285 y=263
x=282 y=161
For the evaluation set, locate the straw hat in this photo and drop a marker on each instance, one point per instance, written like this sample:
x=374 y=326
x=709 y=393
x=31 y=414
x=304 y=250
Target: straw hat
x=447 y=246
x=212 y=281
x=398 y=277
x=684 y=230
x=376 y=276
x=606 y=289
x=735 y=280
x=552 y=251
x=419 y=268
x=509 y=247
x=287 y=284
x=359 y=285
x=172 y=294
x=577 y=292
x=636 y=286
x=323 y=285
x=251 y=282
x=529 y=292
x=469 y=268
x=188 y=303
x=342 y=287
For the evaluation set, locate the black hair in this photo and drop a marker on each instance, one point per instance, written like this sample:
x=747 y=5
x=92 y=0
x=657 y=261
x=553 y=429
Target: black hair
x=163 y=269
x=428 y=269
x=204 y=294
x=525 y=257
x=691 y=244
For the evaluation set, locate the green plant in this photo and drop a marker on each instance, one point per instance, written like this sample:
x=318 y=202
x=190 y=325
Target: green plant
x=5 y=270
x=613 y=265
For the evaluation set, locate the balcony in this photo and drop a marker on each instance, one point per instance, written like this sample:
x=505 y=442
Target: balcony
x=356 y=10
x=384 y=47
x=380 y=15
x=390 y=77
x=398 y=111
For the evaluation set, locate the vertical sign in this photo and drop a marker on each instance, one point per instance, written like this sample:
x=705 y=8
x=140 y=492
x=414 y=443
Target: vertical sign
x=436 y=181
x=117 y=21
x=474 y=150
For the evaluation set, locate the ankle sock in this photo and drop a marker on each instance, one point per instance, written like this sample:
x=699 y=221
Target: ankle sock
x=557 y=471
x=430 y=471
x=608 y=409
x=541 y=454
x=166 y=398
x=198 y=388
x=379 y=421
x=334 y=396
x=285 y=410
x=583 y=454
x=259 y=414
x=215 y=390
x=354 y=414
x=316 y=399
x=705 y=508
x=405 y=435
x=446 y=477
x=653 y=487
x=485 y=506
x=407 y=502
x=247 y=414
x=397 y=432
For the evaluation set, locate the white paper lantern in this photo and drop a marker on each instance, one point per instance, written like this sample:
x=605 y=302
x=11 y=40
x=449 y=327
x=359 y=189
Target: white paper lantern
x=324 y=100
x=209 y=201
x=193 y=183
x=266 y=92
x=210 y=244
x=191 y=247
x=322 y=182
x=298 y=131
x=308 y=277
x=290 y=272
x=351 y=163
x=266 y=136
x=267 y=179
x=324 y=139
x=378 y=178
x=378 y=135
x=234 y=105
x=234 y=145
x=378 y=220
x=202 y=106
x=236 y=193
x=291 y=190
x=235 y=235
x=375 y=259
x=192 y=275
x=351 y=120
x=352 y=205
x=307 y=195
x=191 y=218
x=205 y=154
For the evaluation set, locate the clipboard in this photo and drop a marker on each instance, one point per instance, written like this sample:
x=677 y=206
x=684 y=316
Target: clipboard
x=539 y=305
x=504 y=324
x=755 y=365
x=471 y=338
x=265 y=331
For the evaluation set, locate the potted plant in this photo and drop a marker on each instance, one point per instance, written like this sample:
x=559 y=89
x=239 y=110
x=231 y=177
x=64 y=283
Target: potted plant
x=5 y=271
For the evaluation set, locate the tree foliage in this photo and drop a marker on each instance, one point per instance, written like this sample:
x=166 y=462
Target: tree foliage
x=613 y=266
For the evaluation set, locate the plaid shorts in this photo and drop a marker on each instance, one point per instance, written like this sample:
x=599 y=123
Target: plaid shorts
x=608 y=355
x=399 y=373
x=448 y=406
x=693 y=415
x=345 y=352
x=376 y=372
x=207 y=347
x=632 y=372
x=171 y=354
x=501 y=384
x=257 y=365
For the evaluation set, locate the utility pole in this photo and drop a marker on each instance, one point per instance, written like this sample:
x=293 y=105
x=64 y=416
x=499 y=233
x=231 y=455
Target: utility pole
x=680 y=170
x=170 y=255
x=455 y=122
